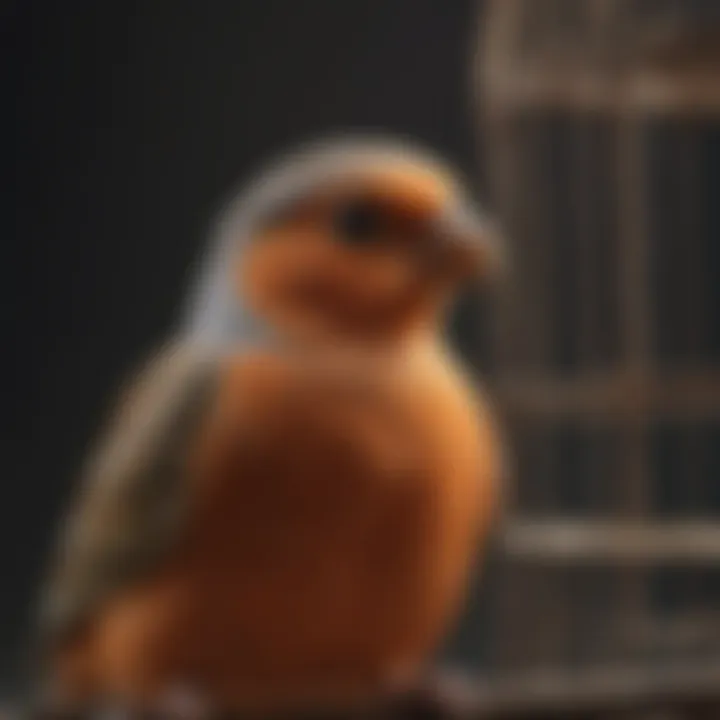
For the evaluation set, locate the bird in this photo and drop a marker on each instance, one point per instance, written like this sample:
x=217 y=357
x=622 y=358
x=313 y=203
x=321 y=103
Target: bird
x=284 y=508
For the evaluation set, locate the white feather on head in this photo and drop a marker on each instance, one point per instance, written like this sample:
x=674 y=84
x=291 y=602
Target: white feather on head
x=215 y=316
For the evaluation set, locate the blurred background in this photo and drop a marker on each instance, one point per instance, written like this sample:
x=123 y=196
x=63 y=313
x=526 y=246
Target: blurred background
x=591 y=127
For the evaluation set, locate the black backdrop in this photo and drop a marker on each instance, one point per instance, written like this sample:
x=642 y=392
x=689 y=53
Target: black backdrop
x=126 y=122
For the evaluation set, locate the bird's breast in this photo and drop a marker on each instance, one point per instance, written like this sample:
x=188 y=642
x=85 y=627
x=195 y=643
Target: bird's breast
x=336 y=518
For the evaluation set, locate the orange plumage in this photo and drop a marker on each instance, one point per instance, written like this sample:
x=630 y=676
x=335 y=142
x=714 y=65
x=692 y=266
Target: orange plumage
x=336 y=482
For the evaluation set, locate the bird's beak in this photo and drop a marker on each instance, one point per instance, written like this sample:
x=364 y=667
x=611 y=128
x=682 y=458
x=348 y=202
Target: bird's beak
x=465 y=245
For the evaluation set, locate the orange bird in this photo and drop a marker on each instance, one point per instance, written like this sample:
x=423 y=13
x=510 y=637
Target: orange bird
x=285 y=510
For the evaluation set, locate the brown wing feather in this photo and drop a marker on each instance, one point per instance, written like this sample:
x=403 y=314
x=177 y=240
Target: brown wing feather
x=134 y=495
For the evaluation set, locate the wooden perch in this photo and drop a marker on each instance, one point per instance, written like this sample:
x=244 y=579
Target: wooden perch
x=559 y=540
x=692 y=395
x=629 y=693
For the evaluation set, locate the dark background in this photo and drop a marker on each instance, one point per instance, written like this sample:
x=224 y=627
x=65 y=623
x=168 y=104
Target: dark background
x=128 y=121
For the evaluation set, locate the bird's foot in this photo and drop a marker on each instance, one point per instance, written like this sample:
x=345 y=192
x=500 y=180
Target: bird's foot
x=442 y=695
x=177 y=703
x=181 y=702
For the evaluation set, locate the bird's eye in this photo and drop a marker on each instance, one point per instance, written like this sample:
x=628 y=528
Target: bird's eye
x=357 y=223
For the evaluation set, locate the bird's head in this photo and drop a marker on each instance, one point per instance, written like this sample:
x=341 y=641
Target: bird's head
x=356 y=241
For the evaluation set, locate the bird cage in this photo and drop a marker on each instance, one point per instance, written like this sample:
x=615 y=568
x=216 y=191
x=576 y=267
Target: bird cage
x=601 y=135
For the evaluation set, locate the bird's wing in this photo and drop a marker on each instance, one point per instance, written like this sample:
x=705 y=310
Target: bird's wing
x=135 y=494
